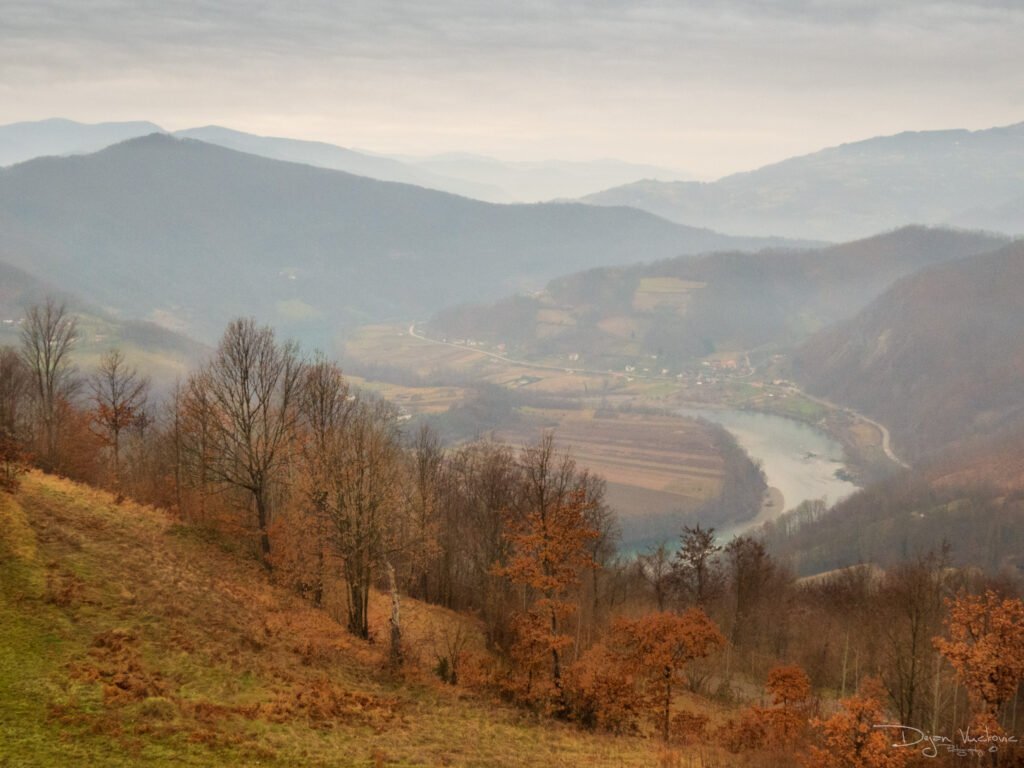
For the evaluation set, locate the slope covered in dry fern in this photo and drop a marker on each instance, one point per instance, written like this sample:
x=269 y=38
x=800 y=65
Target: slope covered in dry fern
x=127 y=639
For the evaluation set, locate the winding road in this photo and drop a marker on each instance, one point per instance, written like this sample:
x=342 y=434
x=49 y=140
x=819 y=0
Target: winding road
x=882 y=429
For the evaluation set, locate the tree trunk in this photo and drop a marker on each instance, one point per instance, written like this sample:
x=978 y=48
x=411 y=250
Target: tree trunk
x=556 y=668
x=396 y=655
x=262 y=522
x=666 y=715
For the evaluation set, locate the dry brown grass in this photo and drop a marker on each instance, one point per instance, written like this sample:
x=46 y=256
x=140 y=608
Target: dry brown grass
x=128 y=639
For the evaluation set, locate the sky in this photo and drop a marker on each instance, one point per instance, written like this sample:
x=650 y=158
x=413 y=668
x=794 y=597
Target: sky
x=707 y=87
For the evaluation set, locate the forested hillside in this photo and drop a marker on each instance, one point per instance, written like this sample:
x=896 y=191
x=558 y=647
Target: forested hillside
x=681 y=309
x=938 y=358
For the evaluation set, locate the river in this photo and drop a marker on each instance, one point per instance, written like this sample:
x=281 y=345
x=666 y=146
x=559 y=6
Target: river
x=798 y=460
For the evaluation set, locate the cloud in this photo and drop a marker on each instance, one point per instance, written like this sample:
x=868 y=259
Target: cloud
x=724 y=84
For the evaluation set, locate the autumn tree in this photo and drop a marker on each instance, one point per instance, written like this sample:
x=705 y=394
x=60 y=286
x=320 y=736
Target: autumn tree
x=424 y=501
x=602 y=692
x=986 y=648
x=48 y=336
x=790 y=691
x=549 y=536
x=119 y=397
x=851 y=738
x=658 y=646
x=246 y=398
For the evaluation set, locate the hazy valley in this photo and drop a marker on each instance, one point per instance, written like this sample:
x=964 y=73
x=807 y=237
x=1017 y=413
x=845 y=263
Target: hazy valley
x=321 y=456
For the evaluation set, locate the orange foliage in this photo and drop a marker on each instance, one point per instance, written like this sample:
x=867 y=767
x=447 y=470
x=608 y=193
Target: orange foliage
x=80 y=448
x=849 y=738
x=659 y=645
x=689 y=727
x=747 y=732
x=602 y=692
x=986 y=648
x=548 y=554
x=549 y=547
x=529 y=680
x=779 y=726
x=790 y=689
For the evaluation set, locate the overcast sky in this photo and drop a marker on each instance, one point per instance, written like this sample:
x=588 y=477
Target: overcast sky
x=711 y=87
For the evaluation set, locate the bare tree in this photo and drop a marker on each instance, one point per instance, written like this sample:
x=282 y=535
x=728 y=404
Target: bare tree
x=14 y=384
x=424 y=502
x=750 y=576
x=696 y=568
x=248 y=397
x=655 y=567
x=362 y=498
x=119 y=396
x=325 y=410
x=480 y=484
x=47 y=338
x=911 y=600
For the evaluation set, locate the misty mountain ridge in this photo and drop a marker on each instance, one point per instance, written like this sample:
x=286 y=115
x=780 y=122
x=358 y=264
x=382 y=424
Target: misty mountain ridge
x=324 y=155
x=27 y=140
x=948 y=177
x=536 y=181
x=192 y=234
x=482 y=178
x=684 y=309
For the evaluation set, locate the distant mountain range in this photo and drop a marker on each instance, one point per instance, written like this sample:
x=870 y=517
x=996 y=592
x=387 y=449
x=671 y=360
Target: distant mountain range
x=23 y=141
x=684 y=309
x=955 y=177
x=482 y=178
x=190 y=234
x=540 y=180
x=938 y=358
x=971 y=179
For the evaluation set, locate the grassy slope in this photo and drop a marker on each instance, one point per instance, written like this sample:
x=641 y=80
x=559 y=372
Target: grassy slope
x=126 y=639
